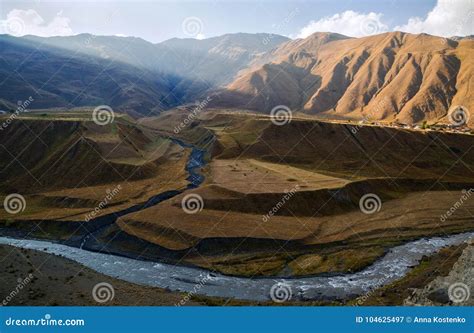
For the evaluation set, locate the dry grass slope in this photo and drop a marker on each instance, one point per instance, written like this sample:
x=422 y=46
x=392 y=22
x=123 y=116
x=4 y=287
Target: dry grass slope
x=391 y=76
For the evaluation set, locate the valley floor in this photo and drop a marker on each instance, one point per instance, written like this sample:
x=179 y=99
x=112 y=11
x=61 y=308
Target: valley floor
x=60 y=281
x=312 y=175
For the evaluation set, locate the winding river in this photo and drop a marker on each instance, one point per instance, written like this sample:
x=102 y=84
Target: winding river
x=195 y=162
x=394 y=265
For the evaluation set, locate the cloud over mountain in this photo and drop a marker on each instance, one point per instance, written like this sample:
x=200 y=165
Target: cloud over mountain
x=349 y=23
x=21 y=22
x=448 y=18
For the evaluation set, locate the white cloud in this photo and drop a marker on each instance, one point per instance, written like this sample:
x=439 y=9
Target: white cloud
x=448 y=18
x=200 y=36
x=21 y=22
x=348 y=23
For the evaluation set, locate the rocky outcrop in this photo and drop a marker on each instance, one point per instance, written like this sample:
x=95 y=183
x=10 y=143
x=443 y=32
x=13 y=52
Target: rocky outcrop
x=456 y=288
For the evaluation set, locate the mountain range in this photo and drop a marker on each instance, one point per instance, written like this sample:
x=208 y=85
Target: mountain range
x=129 y=73
x=387 y=76
x=391 y=76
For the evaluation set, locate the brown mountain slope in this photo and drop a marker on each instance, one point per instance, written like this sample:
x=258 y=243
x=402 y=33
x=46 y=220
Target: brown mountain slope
x=390 y=76
x=46 y=153
x=65 y=166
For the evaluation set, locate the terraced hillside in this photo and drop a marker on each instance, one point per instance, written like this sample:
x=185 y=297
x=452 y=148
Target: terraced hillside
x=315 y=174
x=65 y=164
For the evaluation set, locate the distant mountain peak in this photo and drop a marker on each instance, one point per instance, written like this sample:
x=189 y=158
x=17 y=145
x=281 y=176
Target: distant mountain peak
x=327 y=36
x=389 y=76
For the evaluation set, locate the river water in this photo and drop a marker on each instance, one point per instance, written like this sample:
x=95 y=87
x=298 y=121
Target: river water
x=193 y=166
x=394 y=265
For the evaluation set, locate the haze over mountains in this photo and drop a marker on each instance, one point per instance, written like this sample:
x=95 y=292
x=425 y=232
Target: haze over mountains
x=126 y=72
x=60 y=78
x=390 y=76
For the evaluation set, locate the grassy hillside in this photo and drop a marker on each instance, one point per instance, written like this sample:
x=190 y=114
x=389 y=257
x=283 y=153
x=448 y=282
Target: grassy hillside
x=327 y=169
x=65 y=165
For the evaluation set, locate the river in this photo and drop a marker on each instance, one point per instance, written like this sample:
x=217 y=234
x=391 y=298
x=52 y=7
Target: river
x=394 y=265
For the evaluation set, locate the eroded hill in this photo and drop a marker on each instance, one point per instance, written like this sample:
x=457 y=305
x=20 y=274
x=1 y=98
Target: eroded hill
x=65 y=165
x=391 y=76
x=286 y=199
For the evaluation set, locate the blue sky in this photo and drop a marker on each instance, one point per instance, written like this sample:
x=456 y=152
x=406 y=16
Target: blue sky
x=160 y=20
